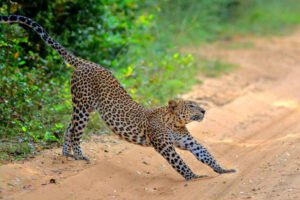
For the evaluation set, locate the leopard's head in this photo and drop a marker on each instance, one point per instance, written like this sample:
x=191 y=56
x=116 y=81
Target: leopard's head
x=186 y=111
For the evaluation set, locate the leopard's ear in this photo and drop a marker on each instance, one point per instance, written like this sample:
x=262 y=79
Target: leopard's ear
x=172 y=104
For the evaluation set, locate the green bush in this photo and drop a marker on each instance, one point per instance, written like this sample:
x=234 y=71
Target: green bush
x=33 y=100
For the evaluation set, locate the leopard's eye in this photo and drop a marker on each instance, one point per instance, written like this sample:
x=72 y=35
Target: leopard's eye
x=191 y=106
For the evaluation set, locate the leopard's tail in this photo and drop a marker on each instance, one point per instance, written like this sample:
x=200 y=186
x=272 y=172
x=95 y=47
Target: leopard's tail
x=66 y=55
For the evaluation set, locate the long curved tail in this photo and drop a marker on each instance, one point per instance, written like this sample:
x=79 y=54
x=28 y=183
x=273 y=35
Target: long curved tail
x=66 y=55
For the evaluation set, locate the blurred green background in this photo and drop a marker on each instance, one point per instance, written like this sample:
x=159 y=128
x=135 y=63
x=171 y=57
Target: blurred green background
x=139 y=40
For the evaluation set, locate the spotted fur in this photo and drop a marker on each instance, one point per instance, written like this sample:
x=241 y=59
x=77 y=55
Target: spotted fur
x=95 y=88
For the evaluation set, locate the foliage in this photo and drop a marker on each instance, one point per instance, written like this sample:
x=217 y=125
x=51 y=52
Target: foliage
x=193 y=22
x=158 y=80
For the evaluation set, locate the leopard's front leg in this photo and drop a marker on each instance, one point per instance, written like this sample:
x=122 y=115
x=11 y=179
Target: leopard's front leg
x=187 y=142
x=164 y=145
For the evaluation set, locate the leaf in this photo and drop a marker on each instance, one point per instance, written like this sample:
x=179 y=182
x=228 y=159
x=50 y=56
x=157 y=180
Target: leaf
x=16 y=55
x=22 y=62
x=129 y=72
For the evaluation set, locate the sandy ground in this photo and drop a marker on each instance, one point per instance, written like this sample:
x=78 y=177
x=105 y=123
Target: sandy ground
x=252 y=124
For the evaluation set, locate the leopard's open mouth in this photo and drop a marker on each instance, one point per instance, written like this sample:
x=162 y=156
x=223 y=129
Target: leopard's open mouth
x=197 y=117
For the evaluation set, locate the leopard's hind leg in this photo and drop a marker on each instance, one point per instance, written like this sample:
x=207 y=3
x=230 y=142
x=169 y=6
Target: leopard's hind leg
x=68 y=143
x=74 y=132
x=79 y=121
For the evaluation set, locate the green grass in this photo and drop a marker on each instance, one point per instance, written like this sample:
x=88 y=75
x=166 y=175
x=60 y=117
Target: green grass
x=215 y=68
x=270 y=17
x=194 y=22
x=14 y=150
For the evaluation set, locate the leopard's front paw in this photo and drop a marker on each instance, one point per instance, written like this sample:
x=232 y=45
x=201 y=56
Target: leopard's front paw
x=195 y=176
x=225 y=171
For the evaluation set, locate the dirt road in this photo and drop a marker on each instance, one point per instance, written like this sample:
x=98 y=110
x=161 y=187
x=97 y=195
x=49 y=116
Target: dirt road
x=252 y=124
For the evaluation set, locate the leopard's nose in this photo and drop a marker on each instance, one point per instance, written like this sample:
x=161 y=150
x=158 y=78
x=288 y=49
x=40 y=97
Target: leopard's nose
x=202 y=111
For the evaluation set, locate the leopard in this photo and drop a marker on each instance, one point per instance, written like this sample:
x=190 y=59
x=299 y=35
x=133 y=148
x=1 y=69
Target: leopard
x=95 y=88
